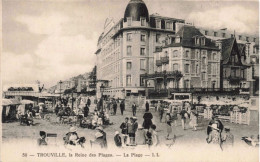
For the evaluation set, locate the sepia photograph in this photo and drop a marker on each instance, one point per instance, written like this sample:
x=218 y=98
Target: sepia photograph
x=129 y=80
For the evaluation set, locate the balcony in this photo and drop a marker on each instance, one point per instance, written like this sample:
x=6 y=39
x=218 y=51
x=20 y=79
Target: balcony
x=158 y=63
x=165 y=60
x=164 y=93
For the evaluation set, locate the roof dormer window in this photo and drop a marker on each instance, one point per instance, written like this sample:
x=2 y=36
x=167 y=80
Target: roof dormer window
x=142 y=21
x=203 y=41
x=158 y=24
x=197 y=40
x=168 y=25
x=129 y=21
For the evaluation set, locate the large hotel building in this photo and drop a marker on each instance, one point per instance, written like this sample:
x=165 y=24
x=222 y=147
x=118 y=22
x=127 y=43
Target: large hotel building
x=143 y=51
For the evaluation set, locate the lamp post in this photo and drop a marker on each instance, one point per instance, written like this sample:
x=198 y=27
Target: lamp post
x=101 y=99
x=60 y=88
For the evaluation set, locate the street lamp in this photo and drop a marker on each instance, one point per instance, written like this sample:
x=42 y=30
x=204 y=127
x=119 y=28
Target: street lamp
x=60 y=88
x=102 y=87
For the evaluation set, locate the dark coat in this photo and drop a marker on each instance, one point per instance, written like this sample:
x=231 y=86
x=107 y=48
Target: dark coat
x=147 y=120
x=117 y=140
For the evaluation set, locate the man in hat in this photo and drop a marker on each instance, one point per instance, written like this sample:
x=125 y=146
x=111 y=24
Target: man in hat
x=134 y=109
x=124 y=129
x=41 y=141
x=131 y=131
x=117 y=139
x=122 y=107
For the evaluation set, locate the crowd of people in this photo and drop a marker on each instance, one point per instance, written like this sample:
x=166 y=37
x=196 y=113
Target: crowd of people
x=130 y=133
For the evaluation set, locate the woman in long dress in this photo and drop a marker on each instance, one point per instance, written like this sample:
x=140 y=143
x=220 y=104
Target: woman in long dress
x=194 y=120
x=147 y=119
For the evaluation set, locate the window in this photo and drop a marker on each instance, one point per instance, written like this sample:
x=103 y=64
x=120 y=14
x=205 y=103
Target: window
x=129 y=36
x=187 y=53
x=129 y=50
x=142 y=21
x=209 y=56
x=214 y=57
x=202 y=41
x=187 y=68
x=254 y=39
x=215 y=34
x=197 y=55
x=128 y=80
x=247 y=39
x=129 y=21
x=223 y=35
x=158 y=24
x=203 y=76
x=186 y=84
x=157 y=38
x=197 y=69
x=142 y=38
x=142 y=51
x=142 y=81
x=197 y=40
x=214 y=69
x=232 y=35
x=204 y=62
x=129 y=65
x=239 y=37
x=175 y=53
x=209 y=68
x=206 y=32
x=175 y=67
x=168 y=25
x=193 y=68
x=142 y=64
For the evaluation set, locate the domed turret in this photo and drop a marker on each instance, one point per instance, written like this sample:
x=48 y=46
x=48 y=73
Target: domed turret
x=136 y=9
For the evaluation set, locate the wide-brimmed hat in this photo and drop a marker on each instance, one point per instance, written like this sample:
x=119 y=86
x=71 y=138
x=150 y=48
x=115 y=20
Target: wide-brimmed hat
x=116 y=132
x=99 y=128
x=42 y=133
x=135 y=118
x=73 y=129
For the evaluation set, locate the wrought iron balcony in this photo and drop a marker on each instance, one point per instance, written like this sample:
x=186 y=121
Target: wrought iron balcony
x=165 y=60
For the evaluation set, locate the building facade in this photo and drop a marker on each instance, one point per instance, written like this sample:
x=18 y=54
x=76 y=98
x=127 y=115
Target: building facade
x=187 y=60
x=132 y=48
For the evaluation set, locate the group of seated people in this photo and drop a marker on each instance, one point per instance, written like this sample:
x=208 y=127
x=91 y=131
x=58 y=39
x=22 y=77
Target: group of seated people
x=99 y=118
x=27 y=118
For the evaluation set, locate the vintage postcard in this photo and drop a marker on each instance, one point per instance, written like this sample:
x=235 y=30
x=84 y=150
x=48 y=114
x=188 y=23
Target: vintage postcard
x=130 y=80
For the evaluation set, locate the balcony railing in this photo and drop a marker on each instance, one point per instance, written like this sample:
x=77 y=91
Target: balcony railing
x=165 y=60
x=162 y=93
x=158 y=63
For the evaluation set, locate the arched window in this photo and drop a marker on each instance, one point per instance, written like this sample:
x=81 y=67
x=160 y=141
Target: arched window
x=175 y=53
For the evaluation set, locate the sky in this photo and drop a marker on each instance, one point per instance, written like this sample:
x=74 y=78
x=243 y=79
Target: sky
x=52 y=40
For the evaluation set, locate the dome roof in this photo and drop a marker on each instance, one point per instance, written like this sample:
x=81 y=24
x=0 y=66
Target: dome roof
x=136 y=9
